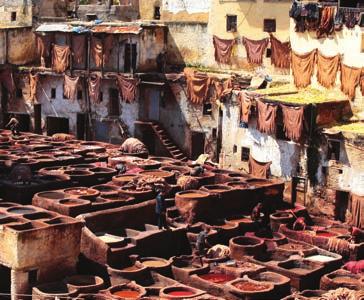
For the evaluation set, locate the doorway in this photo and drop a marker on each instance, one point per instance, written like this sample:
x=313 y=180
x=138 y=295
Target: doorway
x=5 y=275
x=197 y=144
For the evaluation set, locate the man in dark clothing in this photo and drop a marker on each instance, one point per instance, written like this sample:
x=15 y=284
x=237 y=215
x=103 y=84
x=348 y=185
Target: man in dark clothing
x=261 y=216
x=120 y=168
x=202 y=244
x=160 y=209
x=197 y=171
x=13 y=125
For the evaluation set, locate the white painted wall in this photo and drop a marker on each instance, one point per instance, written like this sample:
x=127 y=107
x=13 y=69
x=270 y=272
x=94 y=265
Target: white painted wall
x=191 y=6
x=264 y=148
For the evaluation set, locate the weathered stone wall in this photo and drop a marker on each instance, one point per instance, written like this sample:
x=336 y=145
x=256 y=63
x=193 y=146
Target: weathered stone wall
x=21 y=46
x=190 y=44
x=22 y=9
x=180 y=117
x=128 y=12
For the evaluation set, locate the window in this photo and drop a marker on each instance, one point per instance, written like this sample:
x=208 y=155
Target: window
x=235 y=149
x=245 y=153
x=101 y=97
x=33 y=277
x=19 y=93
x=351 y=3
x=13 y=16
x=207 y=109
x=214 y=133
x=130 y=57
x=91 y=17
x=269 y=52
x=114 y=107
x=333 y=149
x=79 y=95
x=231 y=23
x=269 y=25
x=53 y=93
x=157 y=13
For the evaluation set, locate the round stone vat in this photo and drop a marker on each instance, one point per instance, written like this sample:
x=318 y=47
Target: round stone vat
x=84 y=283
x=84 y=192
x=278 y=218
x=243 y=245
x=251 y=289
x=178 y=292
x=196 y=205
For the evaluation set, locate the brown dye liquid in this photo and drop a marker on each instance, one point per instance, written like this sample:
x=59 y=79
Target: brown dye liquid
x=293 y=246
x=241 y=220
x=193 y=195
x=154 y=263
x=128 y=294
x=131 y=269
x=250 y=286
x=345 y=280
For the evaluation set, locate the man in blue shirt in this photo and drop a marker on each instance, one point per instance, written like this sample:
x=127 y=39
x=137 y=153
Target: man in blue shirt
x=161 y=209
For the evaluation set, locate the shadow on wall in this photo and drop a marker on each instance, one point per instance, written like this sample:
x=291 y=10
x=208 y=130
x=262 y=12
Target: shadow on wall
x=175 y=59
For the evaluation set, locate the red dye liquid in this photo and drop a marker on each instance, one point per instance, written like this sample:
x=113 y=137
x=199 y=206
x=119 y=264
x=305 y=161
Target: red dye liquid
x=129 y=294
x=181 y=293
x=217 y=277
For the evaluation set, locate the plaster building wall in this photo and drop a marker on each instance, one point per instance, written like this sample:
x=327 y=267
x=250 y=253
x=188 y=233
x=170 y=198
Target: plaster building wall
x=176 y=10
x=284 y=155
x=250 y=21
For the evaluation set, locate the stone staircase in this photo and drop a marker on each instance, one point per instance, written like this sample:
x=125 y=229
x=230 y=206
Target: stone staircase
x=165 y=140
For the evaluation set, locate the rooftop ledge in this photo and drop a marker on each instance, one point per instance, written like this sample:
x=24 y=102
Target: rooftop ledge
x=290 y=94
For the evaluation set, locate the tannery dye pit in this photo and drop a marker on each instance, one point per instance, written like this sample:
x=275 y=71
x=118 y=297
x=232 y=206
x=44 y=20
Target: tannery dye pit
x=181 y=150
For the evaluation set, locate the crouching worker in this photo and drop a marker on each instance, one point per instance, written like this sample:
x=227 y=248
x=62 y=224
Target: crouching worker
x=13 y=125
x=202 y=244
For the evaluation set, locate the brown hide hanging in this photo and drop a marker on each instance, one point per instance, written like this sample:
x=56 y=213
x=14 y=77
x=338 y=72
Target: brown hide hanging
x=94 y=84
x=7 y=80
x=281 y=53
x=350 y=79
x=327 y=68
x=33 y=84
x=357 y=210
x=60 y=58
x=223 y=49
x=79 y=48
x=267 y=113
x=293 y=121
x=96 y=51
x=258 y=169
x=197 y=86
x=302 y=68
x=245 y=107
x=70 y=87
x=255 y=50
x=127 y=88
